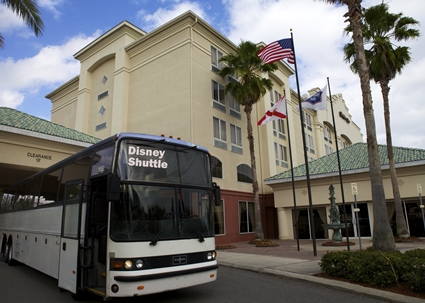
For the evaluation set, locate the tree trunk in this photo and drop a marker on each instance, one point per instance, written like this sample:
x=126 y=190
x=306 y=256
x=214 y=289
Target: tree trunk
x=402 y=231
x=259 y=234
x=383 y=238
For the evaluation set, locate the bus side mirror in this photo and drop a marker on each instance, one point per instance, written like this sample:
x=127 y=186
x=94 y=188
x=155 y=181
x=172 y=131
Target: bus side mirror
x=114 y=188
x=217 y=194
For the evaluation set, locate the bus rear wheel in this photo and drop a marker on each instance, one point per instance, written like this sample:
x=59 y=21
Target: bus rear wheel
x=8 y=255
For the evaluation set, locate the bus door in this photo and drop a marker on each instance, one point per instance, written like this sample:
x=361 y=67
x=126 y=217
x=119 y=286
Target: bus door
x=70 y=236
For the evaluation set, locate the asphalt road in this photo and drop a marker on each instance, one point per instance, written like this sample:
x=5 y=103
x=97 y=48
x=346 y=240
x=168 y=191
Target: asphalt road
x=26 y=285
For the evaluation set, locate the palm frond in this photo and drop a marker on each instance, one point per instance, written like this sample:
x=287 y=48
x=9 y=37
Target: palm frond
x=28 y=11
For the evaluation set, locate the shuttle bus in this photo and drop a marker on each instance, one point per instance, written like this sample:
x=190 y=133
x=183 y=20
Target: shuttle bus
x=130 y=215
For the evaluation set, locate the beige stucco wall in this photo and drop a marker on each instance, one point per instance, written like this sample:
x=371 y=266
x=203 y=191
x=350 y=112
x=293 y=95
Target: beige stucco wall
x=64 y=104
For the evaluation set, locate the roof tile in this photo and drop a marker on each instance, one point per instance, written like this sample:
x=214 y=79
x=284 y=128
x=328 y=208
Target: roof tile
x=352 y=158
x=17 y=119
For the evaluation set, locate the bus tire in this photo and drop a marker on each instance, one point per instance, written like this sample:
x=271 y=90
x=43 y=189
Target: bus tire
x=9 y=255
x=6 y=253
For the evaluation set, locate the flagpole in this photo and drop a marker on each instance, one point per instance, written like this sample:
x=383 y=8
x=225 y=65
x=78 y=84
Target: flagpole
x=339 y=167
x=310 y=203
x=292 y=173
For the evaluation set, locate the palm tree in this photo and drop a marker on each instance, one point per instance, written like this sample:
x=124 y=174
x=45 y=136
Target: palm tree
x=28 y=11
x=247 y=67
x=385 y=62
x=383 y=238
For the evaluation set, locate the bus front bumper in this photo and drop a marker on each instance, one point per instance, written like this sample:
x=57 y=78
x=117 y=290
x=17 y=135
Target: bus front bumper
x=129 y=285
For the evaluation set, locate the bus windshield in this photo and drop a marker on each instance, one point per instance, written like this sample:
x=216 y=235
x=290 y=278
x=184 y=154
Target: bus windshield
x=152 y=213
x=159 y=162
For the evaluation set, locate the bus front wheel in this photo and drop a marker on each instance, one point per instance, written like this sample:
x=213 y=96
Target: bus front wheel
x=8 y=255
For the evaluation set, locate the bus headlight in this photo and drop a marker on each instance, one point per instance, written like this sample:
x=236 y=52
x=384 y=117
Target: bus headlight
x=139 y=264
x=128 y=264
x=211 y=255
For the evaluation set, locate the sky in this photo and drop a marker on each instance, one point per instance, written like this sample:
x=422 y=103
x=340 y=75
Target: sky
x=31 y=67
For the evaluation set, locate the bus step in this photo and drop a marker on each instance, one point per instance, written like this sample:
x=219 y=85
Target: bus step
x=97 y=291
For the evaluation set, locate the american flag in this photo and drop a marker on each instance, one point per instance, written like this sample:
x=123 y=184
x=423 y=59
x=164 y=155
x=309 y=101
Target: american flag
x=276 y=51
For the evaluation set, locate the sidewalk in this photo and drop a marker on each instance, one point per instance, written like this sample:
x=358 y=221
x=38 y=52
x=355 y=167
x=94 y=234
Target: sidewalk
x=286 y=260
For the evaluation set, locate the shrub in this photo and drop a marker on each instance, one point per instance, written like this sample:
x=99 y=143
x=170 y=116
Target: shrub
x=414 y=269
x=377 y=268
x=335 y=263
x=374 y=267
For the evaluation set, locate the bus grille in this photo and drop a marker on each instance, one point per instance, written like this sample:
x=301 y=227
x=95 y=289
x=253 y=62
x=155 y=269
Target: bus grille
x=175 y=260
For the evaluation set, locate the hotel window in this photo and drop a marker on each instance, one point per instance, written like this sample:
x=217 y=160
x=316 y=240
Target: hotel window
x=307 y=120
x=216 y=168
x=281 y=128
x=283 y=156
x=219 y=133
x=280 y=155
x=219 y=101
x=327 y=134
x=274 y=97
x=246 y=217
x=102 y=111
x=244 y=173
x=345 y=143
x=104 y=79
x=236 y=139
x=271 y=98
x=309 y=142
x=328 y=149
x=276 y=153
x=219 y=227
x=234 y=107
x=216 y=55
x=102 y=95
x=235 y=135
x=100 y=126
x=277 y=96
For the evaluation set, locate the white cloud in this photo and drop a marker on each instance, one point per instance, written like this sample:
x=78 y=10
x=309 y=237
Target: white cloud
x=317 y=29
x=165 y=14
x=10 y=98
x=52 y=6
x=9 y=21
x=52 y=66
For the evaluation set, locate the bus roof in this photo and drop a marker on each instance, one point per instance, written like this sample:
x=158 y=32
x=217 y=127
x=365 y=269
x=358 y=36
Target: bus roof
x=154 y=138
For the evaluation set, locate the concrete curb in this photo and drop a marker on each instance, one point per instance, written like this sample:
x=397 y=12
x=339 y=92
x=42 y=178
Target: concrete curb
x=302 y=270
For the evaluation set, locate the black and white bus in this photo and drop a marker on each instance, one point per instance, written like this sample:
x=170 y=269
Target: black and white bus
x=130 y=215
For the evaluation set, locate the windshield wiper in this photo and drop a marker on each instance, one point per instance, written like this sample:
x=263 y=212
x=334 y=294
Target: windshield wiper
x=200 y=237
x=156 y=238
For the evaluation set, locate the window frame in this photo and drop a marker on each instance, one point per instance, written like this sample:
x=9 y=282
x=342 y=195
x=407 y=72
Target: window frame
x=235 y=135
x=283 y=153
x=310 y=143
x=234 y=107
x=216 y=55
x=223 y=213
x=327 y=134
x=249 y=228
x=221 y=133
x=216 y=168
x=307 y=121
x=240 y=172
